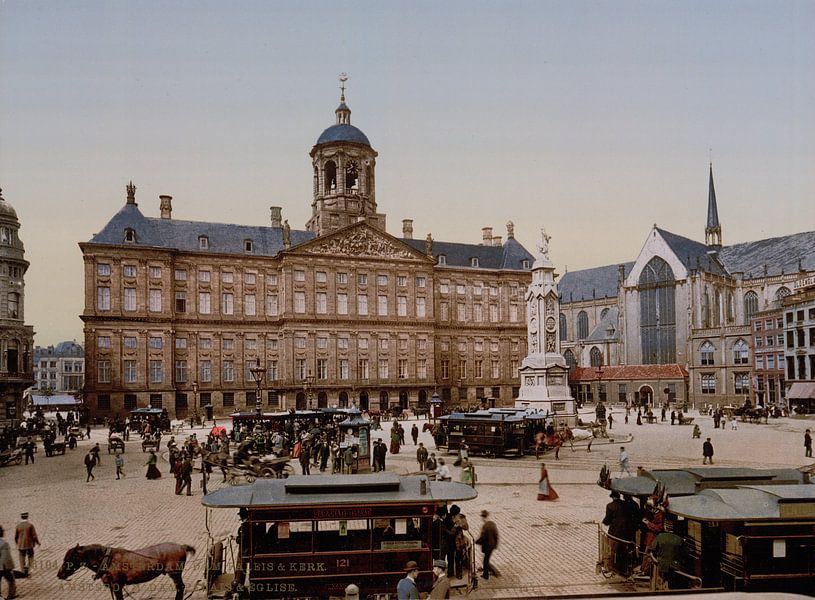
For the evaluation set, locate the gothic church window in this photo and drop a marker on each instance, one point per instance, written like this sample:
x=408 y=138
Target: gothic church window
x=782 y=293
x=570 y=360
x=740 y=353
x=596 y=357
x=707 y=351
x=750 y=305
x=563 y=328
x=657 y=313
x=582 y=325
x=603 y=313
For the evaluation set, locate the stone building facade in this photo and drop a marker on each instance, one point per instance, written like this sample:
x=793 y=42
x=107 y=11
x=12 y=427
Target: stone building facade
x=177 y=312
x=16 y=338
x=59 y=368
x=686 y=303
x=768 y=384
x=799 y=346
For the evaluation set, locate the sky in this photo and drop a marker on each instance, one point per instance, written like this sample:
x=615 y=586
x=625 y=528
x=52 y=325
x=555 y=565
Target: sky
x=595 y=120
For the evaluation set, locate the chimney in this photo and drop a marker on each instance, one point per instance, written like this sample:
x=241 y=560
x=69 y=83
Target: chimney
x=428 y=245
x=486 y=236
x=621 y=275
x=277 y=216
x=496 y=240
x=407 y=229
x=166 y=207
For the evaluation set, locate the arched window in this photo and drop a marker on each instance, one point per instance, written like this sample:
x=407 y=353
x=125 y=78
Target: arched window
x=13 y=305
x=203 y=242
x=442 y=259
x=707 y=352
x=343 y=399
x=474 y=261
x=383 y=400
x=740 y=353
x=322 y=400
x=596 y=357
x=730 y=315
x=782 y=293
x=130 y=235
x=570 y=361
x=582 y=325
x=603 y=313
x=657 y=313
x=330 y=177
x=706 y=309
x=717 y=308
x=750 y=306
x=564 y=330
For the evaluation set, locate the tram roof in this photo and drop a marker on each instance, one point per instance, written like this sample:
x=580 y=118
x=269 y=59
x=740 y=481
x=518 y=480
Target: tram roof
x=748 y=503
x=685 y=482
x=299 y=490
x=146 y=411
x=484 y=416
x=299 y=414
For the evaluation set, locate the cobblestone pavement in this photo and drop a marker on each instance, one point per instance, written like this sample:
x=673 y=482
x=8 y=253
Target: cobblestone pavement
x=545 y=547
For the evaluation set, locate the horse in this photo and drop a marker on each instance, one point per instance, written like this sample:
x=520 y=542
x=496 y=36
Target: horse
x=117 y=567
x=553 y=439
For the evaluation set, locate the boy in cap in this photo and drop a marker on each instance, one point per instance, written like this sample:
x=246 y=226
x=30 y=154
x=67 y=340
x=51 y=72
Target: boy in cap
x=441 y=587
x=406 y=588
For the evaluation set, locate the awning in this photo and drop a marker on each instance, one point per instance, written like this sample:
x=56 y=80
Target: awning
x=800 y=391
x=54 y=400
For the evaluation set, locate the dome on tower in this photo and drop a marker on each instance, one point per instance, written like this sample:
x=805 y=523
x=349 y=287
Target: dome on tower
x=342 y=132
x=6 y=209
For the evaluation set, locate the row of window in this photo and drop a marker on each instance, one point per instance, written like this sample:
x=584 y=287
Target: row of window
x=769 y=362
x=741 y=353
x=768 y=324
x=798 y=315
x=797 y=338
x=741 y=383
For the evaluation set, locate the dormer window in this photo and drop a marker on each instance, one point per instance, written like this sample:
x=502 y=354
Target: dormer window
x=130 y=235
x=442 y=259
x=473 y=262
x=525 y=263
x=203 y=242
x=248 y=246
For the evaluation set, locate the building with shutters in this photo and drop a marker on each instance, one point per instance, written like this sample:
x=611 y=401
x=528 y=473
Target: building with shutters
x=177 y=312
x=59 y=368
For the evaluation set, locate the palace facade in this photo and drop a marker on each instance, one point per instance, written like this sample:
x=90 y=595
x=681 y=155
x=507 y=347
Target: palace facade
x=177 y=313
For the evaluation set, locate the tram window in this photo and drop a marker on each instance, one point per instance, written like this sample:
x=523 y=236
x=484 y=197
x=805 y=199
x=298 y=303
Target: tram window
x=399 y=534
x=471 y=430
x=282 y=538
x=337 y=536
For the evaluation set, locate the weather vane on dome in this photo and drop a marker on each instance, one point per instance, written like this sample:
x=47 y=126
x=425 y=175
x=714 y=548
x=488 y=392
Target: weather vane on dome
x=343 y=78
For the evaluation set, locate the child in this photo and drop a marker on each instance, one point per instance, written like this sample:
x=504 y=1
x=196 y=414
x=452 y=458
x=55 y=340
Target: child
x=120 y=463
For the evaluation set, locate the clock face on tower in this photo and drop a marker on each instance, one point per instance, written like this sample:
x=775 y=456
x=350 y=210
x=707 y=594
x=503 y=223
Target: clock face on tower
x=550 y=324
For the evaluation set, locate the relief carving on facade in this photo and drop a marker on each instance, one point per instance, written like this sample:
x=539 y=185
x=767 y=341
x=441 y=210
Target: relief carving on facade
x=550 y=342
x=361 y=243
x=550 y=306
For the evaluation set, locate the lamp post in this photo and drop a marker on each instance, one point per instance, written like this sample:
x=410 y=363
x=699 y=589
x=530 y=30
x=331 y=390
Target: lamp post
x=195 y=399
x=599 y=381
x=257 y=374
x=308 y=383
x=434 y=402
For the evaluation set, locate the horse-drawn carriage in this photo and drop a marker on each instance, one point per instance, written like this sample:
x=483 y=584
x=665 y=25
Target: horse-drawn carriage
x=151 y=442
x=12 y=455
x=245 y=465
x=77 y=432
x=116 y=443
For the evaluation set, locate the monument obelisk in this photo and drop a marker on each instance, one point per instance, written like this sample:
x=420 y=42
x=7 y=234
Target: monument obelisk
x=544 y=374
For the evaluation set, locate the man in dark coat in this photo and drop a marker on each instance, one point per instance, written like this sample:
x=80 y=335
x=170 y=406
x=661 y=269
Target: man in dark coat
x=414 y=433
x=807 y=444
x=380 y=450
x=618 y=520
x=186 y=477
x=488 y=540
x=707 y=452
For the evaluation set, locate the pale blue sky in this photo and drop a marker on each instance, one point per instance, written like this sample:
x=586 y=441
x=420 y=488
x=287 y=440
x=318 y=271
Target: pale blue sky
x=593 y=119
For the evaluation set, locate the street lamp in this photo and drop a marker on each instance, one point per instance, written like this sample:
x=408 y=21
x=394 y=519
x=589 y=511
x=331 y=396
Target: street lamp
x=308 y=383
x=599 y=381
x=257 y=374
x=434 y=402
x=195 y=399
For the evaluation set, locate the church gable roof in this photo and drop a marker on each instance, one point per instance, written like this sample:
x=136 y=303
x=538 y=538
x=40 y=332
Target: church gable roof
x=585 y=284
x=222 y=238
x=778 y=255
x=510 y=256
x=693 y=254
x=601 y=331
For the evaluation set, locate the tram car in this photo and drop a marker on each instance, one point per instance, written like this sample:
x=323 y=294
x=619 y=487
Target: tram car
x=310 y=537
x=493 y=432
x=741 y=529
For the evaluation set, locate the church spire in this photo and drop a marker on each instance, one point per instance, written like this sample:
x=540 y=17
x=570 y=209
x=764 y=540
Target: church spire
x=713 y=230
x=343 y=112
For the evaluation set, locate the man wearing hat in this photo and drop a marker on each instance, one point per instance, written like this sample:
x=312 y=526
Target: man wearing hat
x=621 y=524
x=406 y=588
x=488 y=540
x=25 y=536
x=441 y=588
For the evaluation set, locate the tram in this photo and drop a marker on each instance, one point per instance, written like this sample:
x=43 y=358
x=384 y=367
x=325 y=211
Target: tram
x=741 y=529
x=310 y=537
x=493 y=432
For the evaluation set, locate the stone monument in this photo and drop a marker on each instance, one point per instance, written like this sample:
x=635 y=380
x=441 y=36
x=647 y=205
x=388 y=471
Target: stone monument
x=544 y=374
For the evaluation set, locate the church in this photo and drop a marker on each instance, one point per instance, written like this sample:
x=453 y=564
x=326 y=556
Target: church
x=181 y=314
x=679 y=323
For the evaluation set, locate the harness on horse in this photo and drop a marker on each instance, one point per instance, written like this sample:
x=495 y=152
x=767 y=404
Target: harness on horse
x=104 y=564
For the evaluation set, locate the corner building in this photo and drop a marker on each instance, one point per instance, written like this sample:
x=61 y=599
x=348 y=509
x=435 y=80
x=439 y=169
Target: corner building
x=177 y=312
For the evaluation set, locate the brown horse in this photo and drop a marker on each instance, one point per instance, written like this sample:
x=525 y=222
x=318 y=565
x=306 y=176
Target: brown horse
x=555 y=439
x=117 y=567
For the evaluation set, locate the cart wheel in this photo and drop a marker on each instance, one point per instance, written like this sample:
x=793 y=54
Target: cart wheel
x=233 y=480
x=19 y=459
x=268 y=473
x=250 y=479
x=286 y=471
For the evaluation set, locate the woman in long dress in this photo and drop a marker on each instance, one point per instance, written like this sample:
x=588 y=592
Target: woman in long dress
x=545 y=491
x=152 y=469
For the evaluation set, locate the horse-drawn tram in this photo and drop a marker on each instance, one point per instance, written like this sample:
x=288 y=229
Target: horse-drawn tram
x=492 y=432
x=310 y=537
x=720 y=528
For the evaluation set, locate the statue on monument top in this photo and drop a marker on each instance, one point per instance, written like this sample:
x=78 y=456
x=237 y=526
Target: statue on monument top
x=543 y=245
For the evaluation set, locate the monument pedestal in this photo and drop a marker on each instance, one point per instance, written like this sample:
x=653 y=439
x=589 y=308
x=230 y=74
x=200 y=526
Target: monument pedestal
x=545 y=387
